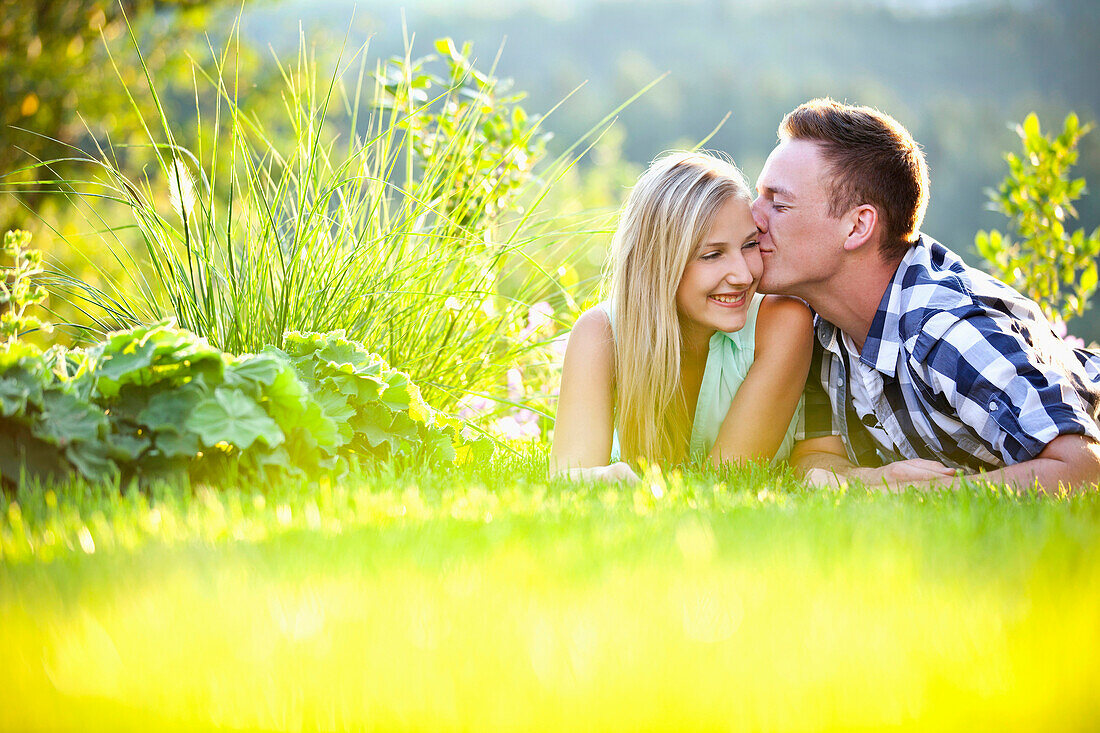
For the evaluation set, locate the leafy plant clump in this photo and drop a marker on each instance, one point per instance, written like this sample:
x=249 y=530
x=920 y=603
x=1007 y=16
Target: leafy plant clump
x=158 y=401
x=395 y=207
x=18 y=288
x=1044 y=260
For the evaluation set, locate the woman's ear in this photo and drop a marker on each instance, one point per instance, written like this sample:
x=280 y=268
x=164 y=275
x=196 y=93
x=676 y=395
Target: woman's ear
x=861 y=222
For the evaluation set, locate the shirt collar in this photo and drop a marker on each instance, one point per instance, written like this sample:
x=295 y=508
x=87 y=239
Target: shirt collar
x=883 y=343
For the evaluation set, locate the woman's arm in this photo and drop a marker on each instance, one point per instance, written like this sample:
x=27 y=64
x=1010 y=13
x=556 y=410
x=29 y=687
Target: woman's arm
x=763 y=406
x=585 y=420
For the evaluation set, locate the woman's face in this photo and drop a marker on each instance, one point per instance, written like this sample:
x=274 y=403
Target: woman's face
x=721 y=277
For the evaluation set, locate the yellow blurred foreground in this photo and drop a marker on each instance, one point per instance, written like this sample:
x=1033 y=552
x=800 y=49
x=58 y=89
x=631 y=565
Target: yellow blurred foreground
x=732 y=611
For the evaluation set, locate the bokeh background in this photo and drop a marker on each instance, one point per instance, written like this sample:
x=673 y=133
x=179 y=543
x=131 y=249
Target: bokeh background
x=959 y=73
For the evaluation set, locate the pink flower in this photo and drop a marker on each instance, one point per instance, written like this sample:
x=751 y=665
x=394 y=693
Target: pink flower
x=525 y=417
x=515 y=383
x=1062 y=331
x=472 y=406
x=510 y=428
x=537 y=316
x=557 y=346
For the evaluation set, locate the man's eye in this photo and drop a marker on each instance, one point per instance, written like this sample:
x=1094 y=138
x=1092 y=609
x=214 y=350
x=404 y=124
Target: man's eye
x=780 y=207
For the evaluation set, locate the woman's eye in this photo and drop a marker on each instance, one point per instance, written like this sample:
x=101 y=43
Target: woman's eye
x=750 y=245
x=712 y=255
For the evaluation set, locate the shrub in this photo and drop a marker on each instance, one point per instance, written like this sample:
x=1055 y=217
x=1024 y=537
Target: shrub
x=157 y=401
x=406 y=235
x=1040 y=256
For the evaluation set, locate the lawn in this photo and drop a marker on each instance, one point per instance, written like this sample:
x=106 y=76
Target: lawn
x=487 y=598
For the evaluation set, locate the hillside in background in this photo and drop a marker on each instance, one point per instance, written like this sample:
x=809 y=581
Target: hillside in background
x=957 y=78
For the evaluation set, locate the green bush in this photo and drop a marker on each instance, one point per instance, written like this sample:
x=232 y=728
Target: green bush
x=1040 y=256
x=405 y=233
x=157 y=401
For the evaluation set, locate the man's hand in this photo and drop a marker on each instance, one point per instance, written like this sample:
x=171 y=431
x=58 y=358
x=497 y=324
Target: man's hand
x=616 y=472
x=904 y=472
x=894 y=475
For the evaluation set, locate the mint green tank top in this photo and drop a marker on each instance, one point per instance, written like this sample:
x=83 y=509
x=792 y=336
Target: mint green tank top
x=728 y=362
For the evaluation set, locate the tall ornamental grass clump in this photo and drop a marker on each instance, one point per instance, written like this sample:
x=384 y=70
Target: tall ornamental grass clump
x=158 y=402
x=404 y=230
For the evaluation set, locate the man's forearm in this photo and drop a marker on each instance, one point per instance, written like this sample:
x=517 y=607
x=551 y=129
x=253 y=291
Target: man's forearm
x=1069 y=463
x=824 y=462
x=832 y=462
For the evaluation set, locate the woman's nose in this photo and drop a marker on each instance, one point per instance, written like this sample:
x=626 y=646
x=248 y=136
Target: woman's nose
x=740 y=273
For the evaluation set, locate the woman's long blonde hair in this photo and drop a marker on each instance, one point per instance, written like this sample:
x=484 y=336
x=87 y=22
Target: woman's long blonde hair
x=661 y=227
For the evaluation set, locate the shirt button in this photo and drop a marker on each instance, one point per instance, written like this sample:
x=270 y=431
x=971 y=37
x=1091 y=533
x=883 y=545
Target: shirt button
x=992 y=406
x=840 y=382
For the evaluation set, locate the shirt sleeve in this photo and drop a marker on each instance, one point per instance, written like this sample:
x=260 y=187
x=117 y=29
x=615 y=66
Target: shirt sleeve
x=1013 y=397
x=816 y=420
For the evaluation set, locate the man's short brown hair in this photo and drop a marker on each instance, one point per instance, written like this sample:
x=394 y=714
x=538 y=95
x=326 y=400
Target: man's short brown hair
x=872 y=160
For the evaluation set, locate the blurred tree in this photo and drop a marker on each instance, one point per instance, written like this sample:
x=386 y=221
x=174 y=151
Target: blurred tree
x=60 y=86
x=1050 y=264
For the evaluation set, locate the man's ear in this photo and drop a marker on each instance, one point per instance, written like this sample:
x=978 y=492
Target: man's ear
x=861 y=223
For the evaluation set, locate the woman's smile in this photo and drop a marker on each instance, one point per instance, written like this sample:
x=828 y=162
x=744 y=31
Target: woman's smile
x=730 y=300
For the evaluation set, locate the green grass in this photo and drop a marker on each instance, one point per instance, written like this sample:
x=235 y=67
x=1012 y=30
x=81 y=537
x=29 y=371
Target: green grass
x=488 y=598
x=400 y=201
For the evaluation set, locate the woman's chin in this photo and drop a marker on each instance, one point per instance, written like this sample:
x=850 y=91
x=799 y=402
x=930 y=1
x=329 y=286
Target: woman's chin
x=729 y=323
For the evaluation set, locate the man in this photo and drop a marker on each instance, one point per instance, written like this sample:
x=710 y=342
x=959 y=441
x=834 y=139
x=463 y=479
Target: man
x=928 y=366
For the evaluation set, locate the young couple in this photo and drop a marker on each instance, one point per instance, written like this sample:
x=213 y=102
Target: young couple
x=907 y=367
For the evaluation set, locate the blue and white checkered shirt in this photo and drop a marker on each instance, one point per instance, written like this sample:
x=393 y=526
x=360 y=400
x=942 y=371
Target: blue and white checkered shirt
x=961 y=369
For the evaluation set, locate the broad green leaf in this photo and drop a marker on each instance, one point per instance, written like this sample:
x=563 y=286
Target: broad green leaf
x=231 y=417
x=288 y=395
x=92 y=460
x=277 y=458
x=368 y=389
x=438 y=446
x=66 y=419
x=150 y=354
x=346 y=384
x=321 y=427
x=334 y=405
x=418 y=408
x=20 y=354
x=341 y=352
x=127 y=448
x=397 y=395
x=259 y=368
x=130 y=356
x=21 y=452
x=18 y=389
x=404 y=426
x=373 y=423
x=177 y=443
x=169 y=410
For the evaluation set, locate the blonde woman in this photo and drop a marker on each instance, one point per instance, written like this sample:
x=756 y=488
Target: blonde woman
x=684 y=359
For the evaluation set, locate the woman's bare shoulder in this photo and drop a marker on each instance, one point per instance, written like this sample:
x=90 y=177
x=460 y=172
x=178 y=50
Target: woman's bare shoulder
x=592 y=329
x=784 y=322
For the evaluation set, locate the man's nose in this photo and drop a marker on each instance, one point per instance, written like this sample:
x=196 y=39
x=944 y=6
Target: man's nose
x=757 y=209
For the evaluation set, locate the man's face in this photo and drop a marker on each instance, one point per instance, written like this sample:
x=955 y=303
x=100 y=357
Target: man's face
x=800 y=243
